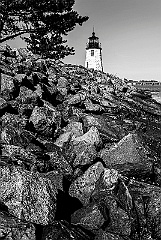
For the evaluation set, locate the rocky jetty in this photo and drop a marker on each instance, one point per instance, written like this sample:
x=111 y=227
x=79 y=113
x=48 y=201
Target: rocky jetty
x=80 y=153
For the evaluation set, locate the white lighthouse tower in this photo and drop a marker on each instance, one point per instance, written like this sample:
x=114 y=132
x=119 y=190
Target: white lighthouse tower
x=93 y=53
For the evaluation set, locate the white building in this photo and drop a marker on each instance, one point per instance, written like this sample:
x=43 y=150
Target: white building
x=93 y=53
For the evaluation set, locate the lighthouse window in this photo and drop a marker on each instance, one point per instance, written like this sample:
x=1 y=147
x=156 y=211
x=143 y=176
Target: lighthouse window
x=92 y=52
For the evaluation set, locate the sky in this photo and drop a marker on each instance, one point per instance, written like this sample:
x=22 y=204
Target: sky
x=130 y=34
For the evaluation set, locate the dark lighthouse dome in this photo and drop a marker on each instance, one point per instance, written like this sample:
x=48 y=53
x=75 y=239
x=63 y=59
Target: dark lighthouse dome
x=93 y=42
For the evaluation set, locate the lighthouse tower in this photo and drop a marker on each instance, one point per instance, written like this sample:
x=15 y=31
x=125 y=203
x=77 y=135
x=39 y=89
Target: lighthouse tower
x=93 y=53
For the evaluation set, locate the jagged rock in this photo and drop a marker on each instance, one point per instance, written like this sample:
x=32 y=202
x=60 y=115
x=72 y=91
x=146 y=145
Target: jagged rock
x=90 y=137
x=62 y=85
x=104 y=126
x=63 y=138
x=12 y=228
x=14 y=132
x=128 y=156
x=9 y=87
x=27 y=96
x=88 y=217
x=39 y=77
x=124 y=197
x=46 y=120
x=26 y=101
x=27 y=195
x=91 y=107
x=107 y=181
x=58 y=162
x=72 y=130
x=75 y=128
x=39 y=92
x=108 y=104
x=19 y=156
x=20 y=77
x=77 y=98
x=84 y=153
x=106 y=88
x=84 y=185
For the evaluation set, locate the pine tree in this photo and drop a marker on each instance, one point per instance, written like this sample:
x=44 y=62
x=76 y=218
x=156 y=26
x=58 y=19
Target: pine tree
x=45 y=21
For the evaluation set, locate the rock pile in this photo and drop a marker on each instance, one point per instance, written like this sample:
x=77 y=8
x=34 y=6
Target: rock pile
x=80 y=153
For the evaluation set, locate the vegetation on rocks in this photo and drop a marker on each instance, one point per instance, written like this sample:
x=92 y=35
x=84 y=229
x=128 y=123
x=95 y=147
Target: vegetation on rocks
x=44 y=22
x=80 y=153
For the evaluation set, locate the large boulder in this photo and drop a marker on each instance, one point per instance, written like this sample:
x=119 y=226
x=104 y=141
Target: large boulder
x=72 y=130
x=96 y=179
x=83 y=153
x=90 y=137
x=27 y=195
x=128 y=156
x=46 y=120
x=84 y=185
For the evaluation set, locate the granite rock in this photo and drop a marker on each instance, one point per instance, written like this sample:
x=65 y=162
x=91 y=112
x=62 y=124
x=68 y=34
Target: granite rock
x=84 y=185
x=128 y=156
x=27 y=195
x=12 y=228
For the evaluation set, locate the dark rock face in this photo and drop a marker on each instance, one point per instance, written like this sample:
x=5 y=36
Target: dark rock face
x=80 y=153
